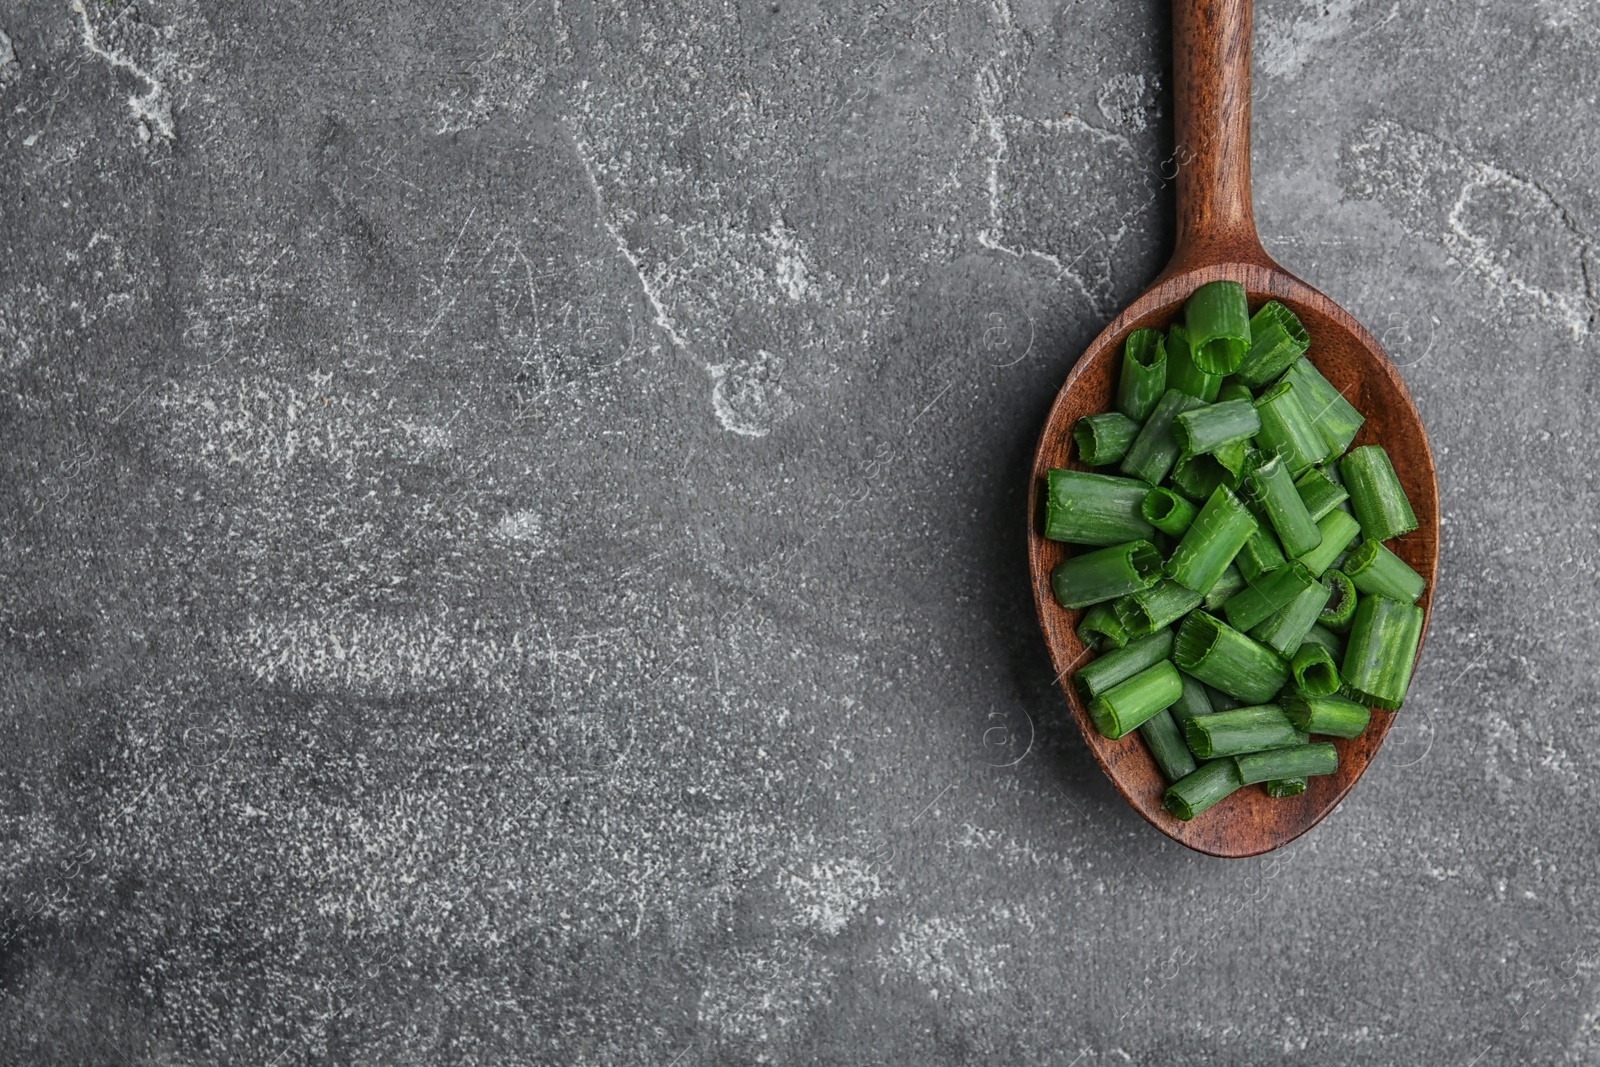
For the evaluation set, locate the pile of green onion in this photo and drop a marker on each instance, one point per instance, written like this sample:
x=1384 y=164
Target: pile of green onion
x=1235 y=580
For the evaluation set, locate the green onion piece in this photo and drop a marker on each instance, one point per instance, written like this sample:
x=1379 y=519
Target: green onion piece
x=1194 y=700
x=1196 y=792
x=1270 y=593
x=1221 y=656
x=1234 y=733
x=1197 y=477
x=1272 y=487
x=1154 y=451
x=1374 y=569
x=1166 y=744
x=1381 y=652
x=1375 y=494
x=1314 y=672
x=1233 y=389
x=1217 y=317
x=1336 y=419
x=1287 y=430
x=1100 y=629
x=1286 y=629
x=1155 y=608
x=1104 y=438
x=1221 y=701
x=1329 y=716
x=1182 y=374
x=1299 y=761
x=1211 y=542
x=1277 y=339
x=1206 y=429
x=1230 y=584
x=1338 y=529
x=1094 y=509
x=1105 y=574
x=1260 y=555
x=1121 y=709
x=1103 y=672
x=1320 y=492
x=1167 y=511
x=1144 y=374
x=1341 y=607
x=1329 y=640
x=1286 y=787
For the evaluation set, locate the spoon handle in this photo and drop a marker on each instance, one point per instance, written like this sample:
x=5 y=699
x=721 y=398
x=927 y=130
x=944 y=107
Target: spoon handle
x=1211 y=90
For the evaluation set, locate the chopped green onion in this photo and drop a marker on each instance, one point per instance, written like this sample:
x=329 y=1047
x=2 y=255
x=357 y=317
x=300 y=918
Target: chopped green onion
x=1196 y=792
x=1094 y=509
x=1286 y=787
x=1285 y=629
x=1336 y=419
x=1341 y=607
x=1233 y=389
x=1277 y=339
x=1320 y=492
x=1120 y=709
x=1382 y=651
x=1313 y=670
x=1221 y=701
x=1270 y=593
x=1374 y=569
x=1105 y=574
x=1338 y=529
x=1275 y=491
x=1380 y=503
x=1166 y=744
x=1144 y=374
x=1217 y=317
x=1155 y=608
x=1105 y=671
x=1299 y=761
x=1100 y=629
x=1104 y=438
x=1230 y=584
x=1155 y=450
x=1234 y=733
x=1287 y=430
x=1197 y=477
x=1182 y=374
x=1329 y=640
x=1167 y=511
x=1260 y=555
x=1329 y=716
x=1221 y=656
x=1192 y=702
x=1211 y=542
x=1206 y=429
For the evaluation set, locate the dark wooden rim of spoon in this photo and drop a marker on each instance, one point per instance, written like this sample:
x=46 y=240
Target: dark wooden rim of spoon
x=1217 y=239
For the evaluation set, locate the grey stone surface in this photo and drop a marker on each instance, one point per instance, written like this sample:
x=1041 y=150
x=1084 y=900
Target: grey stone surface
x=512 y=541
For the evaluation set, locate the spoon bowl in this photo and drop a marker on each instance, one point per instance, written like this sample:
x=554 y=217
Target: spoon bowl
x=1217 y=240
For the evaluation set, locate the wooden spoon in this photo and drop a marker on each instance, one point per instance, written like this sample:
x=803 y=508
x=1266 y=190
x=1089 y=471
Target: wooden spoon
x=1217 y=239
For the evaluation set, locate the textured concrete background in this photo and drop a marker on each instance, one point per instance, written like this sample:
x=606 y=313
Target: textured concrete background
x=512 y=536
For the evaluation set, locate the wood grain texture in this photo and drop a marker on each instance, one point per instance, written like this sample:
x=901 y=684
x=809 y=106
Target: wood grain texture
x=1211 y=134
x=1217 y=240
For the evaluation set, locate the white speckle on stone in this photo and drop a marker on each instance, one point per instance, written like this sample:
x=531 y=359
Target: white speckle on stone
x=831 y=893
x=1504 y=229
x=1128 y=100
x=1287 y=44
x=151 y=109
x=9 y=71
x=521 y=526
x=747 y=396
x=790 y=262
